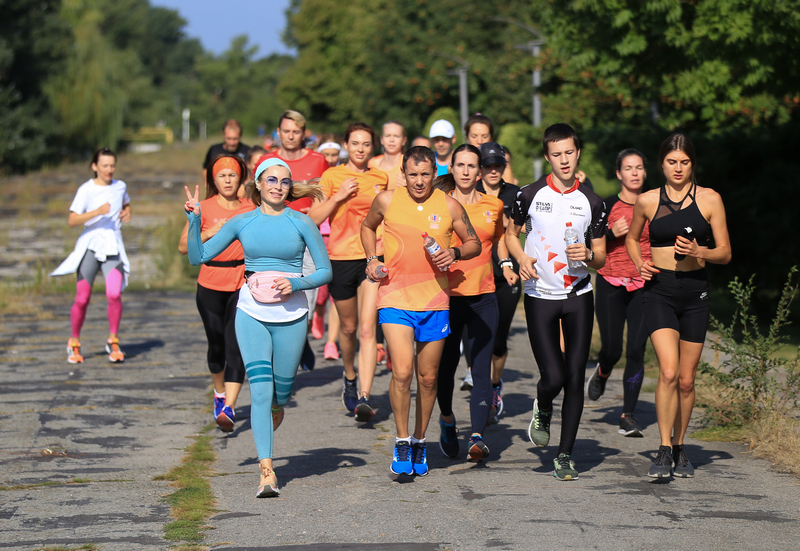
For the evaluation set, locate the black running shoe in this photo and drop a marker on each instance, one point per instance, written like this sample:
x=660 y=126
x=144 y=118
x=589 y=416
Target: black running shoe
x=307 y=359
x=629 y=427
x=662 y=464
x=595 y=385
x=364 y=410
x=448 y=439
x=350 y=394
x=683 y=467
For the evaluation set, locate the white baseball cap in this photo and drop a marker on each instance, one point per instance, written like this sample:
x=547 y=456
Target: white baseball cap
x=442 y=128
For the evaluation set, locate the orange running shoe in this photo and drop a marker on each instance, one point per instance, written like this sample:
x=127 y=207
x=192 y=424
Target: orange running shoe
x=381 y=359
x=330 y=351
x=115 y=355
x=74 y=351
x=317 y=326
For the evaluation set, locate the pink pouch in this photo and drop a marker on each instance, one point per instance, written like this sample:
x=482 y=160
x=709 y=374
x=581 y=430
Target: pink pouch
x=260 y=284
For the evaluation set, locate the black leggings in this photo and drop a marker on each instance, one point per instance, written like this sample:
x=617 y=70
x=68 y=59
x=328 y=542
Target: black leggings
x=561 y=371
x=614 y=306
x=479 y=314
x=218 y=312
x=507 y=300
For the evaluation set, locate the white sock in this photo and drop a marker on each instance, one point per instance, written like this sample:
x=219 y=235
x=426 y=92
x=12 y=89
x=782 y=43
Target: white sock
x=218 y=395
x=406 y=440
x=415 y=441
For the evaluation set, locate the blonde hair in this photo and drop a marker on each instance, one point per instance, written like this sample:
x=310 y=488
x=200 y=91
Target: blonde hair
x=295 y=117
x=311 y=188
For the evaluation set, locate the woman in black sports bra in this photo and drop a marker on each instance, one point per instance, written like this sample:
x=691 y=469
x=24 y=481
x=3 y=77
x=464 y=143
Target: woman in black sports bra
x=685 y=220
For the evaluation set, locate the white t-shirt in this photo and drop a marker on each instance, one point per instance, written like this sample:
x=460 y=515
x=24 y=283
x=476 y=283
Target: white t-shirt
x=91 y=196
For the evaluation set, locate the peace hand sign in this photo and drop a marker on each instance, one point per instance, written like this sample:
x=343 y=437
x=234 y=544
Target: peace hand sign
x=193 y=202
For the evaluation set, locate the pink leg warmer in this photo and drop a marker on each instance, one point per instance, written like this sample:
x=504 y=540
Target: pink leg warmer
x=78 y=313
x=113 y=294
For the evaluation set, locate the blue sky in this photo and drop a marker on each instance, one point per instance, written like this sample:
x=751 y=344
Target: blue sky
x=216 y=22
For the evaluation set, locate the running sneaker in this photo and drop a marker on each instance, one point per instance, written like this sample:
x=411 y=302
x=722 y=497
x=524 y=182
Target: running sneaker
x=74 y=351
x=683 y=467
x=219 y=403
x=364 y=410
x=277 y=416
x=307 y=359
x=539 y=428
x=448 y=438
x=478 y=450
x=466 y=384
x=497 y=404
x=662 y=464
x=564 y=467
x=401 y=461
x=419 y=458
x=350 y=394
x=331 y=352
x=629 y=427
x=115 y=355
x=381 y=358
x=268 y=485
x=596 y=385
x=317 y=326
x=226 y=419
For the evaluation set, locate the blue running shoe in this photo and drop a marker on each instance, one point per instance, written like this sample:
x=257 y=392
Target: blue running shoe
x=350 y=394
x=364 y=410
x=401 y=462
x=226 y=419
x=219 y=403
x=419 y=458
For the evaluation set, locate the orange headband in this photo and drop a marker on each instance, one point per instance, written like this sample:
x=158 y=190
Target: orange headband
x=227 y=162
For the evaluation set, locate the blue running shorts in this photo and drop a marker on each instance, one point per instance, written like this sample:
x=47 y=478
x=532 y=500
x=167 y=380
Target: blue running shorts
x=428 y=326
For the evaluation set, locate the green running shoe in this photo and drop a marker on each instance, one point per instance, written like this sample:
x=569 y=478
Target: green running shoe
x=565 y=467
x=539 y=429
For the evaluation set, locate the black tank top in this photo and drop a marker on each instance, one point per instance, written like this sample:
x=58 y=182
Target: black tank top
x=671 y=218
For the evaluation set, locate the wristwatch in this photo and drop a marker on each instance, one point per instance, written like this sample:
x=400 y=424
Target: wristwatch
x=371 y=258
x=591 y=255
x=456 y=253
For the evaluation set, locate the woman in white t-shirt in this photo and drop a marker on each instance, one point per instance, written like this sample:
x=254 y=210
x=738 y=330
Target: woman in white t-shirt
x=101 y=205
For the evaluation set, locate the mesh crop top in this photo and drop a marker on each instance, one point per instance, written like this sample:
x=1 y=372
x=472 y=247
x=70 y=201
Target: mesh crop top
x=672 y=217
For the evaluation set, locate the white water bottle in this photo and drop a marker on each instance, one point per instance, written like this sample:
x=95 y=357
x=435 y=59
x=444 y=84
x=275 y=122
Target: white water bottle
x=431 y=246
x=570 y=238
x=381 y=272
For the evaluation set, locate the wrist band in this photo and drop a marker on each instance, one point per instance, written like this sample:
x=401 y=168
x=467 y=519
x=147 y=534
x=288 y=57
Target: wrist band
x=457 y=253
x=506 y=264
x=371 y=258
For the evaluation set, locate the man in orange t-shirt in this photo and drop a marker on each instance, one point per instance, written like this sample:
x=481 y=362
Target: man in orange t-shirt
x=304 y=163
x=413 y=298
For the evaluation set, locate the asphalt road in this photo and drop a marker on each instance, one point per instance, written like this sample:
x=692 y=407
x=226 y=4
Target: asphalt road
x=80 y=445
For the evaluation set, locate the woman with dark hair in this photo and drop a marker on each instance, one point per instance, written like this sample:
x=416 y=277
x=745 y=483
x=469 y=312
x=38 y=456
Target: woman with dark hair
x=688 y=229
x=101 y=205
x=348 y=191
x=618 y=294
x=219 y=282
x=473 y=305
x=478 y=130
x=271 y=315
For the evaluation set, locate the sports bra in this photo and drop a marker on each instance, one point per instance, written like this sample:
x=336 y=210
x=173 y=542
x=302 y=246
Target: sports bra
x=671 y=218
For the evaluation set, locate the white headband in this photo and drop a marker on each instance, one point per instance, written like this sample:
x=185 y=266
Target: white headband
x=330 y=145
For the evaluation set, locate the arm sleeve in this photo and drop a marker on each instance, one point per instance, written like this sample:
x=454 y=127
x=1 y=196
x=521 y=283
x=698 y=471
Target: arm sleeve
x=200 y=252
x=519 y=212
x=316 y=247
x=599 y=221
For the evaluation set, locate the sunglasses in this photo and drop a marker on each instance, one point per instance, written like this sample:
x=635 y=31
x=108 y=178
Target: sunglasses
x=272 y=181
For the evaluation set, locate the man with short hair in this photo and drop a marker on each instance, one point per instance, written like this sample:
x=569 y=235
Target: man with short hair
x=231 y=143
x=304 y=163
x=443 y=136
x=413 y=298
x=421 y=140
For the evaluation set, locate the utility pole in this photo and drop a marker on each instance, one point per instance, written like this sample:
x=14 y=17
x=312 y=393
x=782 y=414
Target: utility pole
x=462 y=84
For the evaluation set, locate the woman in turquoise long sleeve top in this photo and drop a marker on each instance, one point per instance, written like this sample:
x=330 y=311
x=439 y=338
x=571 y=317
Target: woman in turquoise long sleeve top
x=271 y=336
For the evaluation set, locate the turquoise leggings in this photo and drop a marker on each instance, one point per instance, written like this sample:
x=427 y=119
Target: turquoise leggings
x=271 y=354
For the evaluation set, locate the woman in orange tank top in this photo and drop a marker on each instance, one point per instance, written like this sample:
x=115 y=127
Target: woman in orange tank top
x=219 y=282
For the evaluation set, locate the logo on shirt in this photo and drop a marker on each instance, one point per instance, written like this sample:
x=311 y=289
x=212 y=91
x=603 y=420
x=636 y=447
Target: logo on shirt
x=377 y=188
x=704 y=295
x=435 y=220
x=488 y=215
x=541 y=206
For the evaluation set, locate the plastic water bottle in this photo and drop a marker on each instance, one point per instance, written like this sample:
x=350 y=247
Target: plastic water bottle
x=431 y=246
x=688 y=234
x=381 y=272
x=571 y=237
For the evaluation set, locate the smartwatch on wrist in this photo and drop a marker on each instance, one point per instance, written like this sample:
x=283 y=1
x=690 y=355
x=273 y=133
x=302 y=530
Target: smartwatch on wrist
x=456 y=253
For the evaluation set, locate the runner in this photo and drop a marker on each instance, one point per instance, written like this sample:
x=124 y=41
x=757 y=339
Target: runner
x=304 y=163
x=349 y=190
x=101 y=205
x=271 y=319
x=676 y=289
x=219 y=282
x=421 y=140
x=231 y=143
x=478 y=130
x=473 y=304
x=558 y=286
x=413 y=297
x=443 y=137
x=393 y=140
x=619 y=295
x=507 y=284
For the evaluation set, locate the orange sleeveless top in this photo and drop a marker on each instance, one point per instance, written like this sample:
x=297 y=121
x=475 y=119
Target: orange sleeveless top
x=414 y=282
x=212 y=277
x=475 y=276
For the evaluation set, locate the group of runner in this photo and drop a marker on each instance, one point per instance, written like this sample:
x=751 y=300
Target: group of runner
x=412 y=236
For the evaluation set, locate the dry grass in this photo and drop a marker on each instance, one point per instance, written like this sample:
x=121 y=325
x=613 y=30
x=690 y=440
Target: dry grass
x=777 y=438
